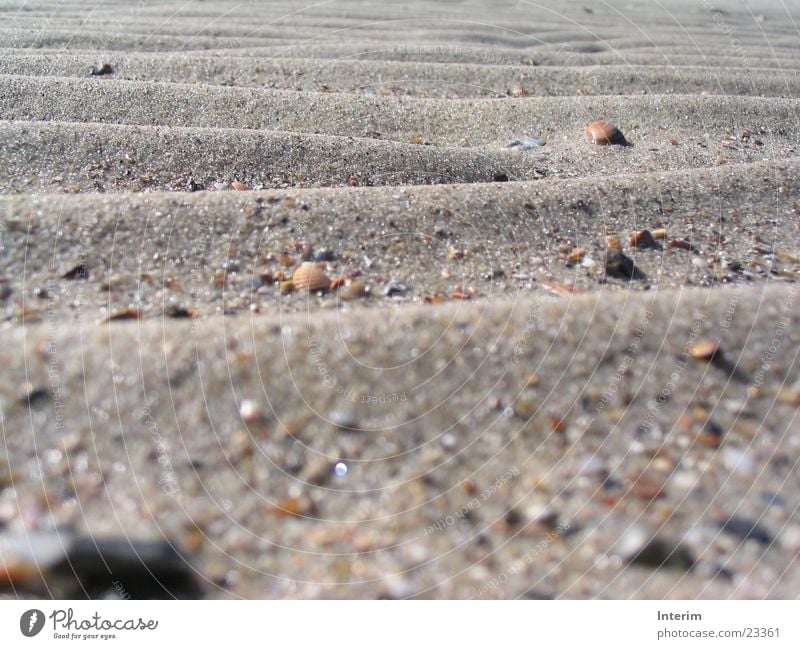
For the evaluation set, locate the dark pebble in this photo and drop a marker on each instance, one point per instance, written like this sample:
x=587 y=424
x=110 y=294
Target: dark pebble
x=35 y=397
x=176 y=311
x=102 y=70
x=81 y=271
x=747 y=529
x=396 y=289
x=144 y=570
x=513 y=518
x=620 y=266
x=662 y=554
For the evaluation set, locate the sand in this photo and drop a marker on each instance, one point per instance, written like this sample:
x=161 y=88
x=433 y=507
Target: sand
x=516 y=418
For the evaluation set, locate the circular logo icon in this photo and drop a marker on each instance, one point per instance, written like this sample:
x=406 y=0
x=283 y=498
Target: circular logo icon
x=31 y=622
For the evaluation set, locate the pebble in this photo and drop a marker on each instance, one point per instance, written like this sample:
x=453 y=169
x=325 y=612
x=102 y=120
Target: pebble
x=644 y=240
x=746 y=529
x=79 y=567
x=396 y=289
x=641 y=549
x=704 y=350
x=620 y=266
x=344 y=420
x=102 y=70
x=249 y=411
x=340 y=469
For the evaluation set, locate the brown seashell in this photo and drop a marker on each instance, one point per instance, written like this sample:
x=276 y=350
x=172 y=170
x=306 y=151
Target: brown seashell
x=704 y=350
x=603 y=132
x=309 y=277
x=239 y=187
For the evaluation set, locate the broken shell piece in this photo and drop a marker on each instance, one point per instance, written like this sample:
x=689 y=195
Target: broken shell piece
x=576 y=255
x=526 y=144
x=603 y=132
x=309 y=277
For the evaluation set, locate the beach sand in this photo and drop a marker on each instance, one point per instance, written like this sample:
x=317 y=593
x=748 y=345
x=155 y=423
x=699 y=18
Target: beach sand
x=489 y=402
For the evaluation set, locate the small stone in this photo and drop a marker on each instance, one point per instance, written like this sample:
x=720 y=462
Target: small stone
x=644 y=240
x=396 y=289
x=81 y=271
x=746 y=529
x=620 y=266
x=640 y=549
x=704 y=350
x=249 y=411
x=344 y=420
x=532 y=380
x=99 y=71
x=340 y=469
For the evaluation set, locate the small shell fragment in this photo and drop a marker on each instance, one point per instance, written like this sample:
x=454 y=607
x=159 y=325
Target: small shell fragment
x=309 y=277
x=603 y=132
x=576 y=255
x=239 y=187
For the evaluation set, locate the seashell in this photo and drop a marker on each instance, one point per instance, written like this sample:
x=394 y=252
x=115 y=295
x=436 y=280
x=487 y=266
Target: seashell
x=309 y=277
x=239 y=187
x=603 y=132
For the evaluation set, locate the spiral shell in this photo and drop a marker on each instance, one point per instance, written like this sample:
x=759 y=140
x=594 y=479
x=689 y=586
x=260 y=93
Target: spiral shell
x=309 y=277
x=603 y=132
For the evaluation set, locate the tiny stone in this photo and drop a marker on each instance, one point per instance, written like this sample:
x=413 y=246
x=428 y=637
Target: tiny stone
x=249 y=410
